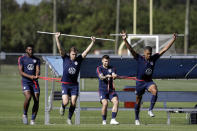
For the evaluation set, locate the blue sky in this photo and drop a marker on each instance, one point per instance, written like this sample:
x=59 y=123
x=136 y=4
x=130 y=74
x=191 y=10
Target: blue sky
x=34 y=2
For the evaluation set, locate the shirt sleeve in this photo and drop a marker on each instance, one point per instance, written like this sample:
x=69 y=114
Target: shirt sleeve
x=20 y=61
x=156 y=56
x=137 y=57
x=38 y=62
x=80 y=58
x=98 y=71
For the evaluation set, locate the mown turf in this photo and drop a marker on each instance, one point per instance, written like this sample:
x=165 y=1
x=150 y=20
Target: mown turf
x=11 y=102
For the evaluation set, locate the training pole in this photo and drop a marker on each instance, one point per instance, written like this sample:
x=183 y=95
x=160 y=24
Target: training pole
x=77 y=36
x=178 y=35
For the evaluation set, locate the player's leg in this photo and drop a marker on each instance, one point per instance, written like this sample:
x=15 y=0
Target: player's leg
x=74 y=95
x=27 y=95
x=137 y=109
x=104 y=110
x=65 y=100
x=35 y=108
x=72 y=108
x=35 y=91
x=115 y=102
x=153 y=90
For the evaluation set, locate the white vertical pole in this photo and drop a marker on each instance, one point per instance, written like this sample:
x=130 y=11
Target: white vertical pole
x=157 y=44
x=117 y=25
x=77 y=112
x=83 y=84
x=151 y=17
x=46 y=97
x=134 y=16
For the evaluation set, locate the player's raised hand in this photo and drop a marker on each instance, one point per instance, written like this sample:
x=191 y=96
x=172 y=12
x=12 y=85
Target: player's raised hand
x=124 y=35
x=93 y=38
x=57 y=34
x=174 y=36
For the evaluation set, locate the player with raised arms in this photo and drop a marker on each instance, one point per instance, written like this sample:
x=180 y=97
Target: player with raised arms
x=71 y=68
x=145 y=68
x=29 y=69
x=106 y=74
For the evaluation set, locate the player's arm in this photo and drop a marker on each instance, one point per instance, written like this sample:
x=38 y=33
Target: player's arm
x=114 y=75
x=124 y=37
x=85 y=53
x=168 y=45
x=38 y=70
x=61 y=50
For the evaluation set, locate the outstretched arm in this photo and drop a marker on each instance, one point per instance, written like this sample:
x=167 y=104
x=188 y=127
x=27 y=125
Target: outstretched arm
x=124 y=37
x=168 y=45
x=85 y=53
x=61 y=50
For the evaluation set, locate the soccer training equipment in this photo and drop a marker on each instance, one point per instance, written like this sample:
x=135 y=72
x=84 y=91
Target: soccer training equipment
x=137 y=122
x=69 y=122
x=77 y=36
x=114 y=122
x=150 y=113
x=104 y=122
x=25 y=120
x=62 y=110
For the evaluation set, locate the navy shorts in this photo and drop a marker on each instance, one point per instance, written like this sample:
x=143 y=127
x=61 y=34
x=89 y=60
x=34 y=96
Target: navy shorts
x=107 y=95
x=141 y=86
x=31 y=86
x=70 y=90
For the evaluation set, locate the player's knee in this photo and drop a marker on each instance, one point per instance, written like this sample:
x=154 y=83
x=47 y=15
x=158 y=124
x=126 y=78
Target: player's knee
x=105 y=103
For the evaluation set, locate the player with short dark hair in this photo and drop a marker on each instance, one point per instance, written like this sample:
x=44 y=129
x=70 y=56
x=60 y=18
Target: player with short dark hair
x=71 y=68
x=29 y=69
x=106 y=74
x=145 y=70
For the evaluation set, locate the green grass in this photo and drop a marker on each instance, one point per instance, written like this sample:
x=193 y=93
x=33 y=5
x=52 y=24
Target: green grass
x=11 y=103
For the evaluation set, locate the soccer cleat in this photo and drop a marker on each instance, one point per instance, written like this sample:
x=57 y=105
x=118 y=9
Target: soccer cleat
x=104 y=122
x=25 y=120
x=150 y=113
x=137 y=122
x=69 y=122
x=32 y=122
x=62 y=110
x=114 y=122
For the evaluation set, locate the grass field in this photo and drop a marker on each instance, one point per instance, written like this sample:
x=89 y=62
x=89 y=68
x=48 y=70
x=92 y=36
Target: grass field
x=11 y=102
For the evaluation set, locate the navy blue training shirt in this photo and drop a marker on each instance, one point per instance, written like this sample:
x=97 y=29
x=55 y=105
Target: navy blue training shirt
x=71 y=69
x=105 y=85
x=28 y=66
x=145 y=68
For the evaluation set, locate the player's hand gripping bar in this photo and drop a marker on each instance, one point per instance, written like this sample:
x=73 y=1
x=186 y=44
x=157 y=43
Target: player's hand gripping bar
x=77 y=36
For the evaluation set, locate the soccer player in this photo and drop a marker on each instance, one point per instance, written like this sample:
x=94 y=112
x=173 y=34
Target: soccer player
x=71 y=67
x=29 y=69
x=145 y=70
x=106 y=74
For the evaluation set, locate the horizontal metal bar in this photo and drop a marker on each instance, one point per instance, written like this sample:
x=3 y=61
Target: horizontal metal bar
x=77 y=36
x=179 y=35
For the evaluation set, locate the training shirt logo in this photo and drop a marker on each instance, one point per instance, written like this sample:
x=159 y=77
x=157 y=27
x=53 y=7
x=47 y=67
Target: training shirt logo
x=109 y=70
x=76 y=63
x=30 y=67
x=71 y=70
x=151 y=63
x=148 y=71
x=34 y=60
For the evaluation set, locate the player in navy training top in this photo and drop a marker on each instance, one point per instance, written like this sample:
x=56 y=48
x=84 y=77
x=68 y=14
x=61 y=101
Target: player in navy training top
x=71 y=67
x=145 y=70
x=106 y=74
x=29 y=69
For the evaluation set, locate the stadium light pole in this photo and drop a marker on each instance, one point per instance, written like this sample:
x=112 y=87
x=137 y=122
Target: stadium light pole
x=117 y=25
x=186 y=39
x=151 y=17
x=134 y=16
x=54 y=26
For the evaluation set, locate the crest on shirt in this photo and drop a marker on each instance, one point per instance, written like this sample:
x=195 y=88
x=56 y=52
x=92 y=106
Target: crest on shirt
x=151 y=63
x=148 y=71
x=71 y=70
x=34 y=60
x=76 y=63
x=109 y=70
